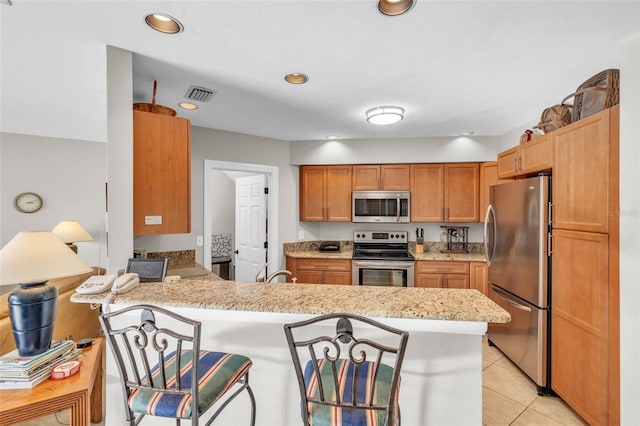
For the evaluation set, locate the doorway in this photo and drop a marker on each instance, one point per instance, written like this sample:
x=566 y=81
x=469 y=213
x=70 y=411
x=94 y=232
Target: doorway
x=217 y=195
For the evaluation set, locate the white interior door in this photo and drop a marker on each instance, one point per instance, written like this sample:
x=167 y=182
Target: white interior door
x=251 y=227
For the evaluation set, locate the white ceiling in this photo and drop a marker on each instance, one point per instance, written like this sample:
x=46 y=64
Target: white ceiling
x=455 y=66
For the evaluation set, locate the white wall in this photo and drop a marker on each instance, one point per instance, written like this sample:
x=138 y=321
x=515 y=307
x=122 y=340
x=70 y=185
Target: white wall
x=70 y=176
x=629 y=231
x=224 y=208
x=120 y=157
x=209 y=144
x=375 y=151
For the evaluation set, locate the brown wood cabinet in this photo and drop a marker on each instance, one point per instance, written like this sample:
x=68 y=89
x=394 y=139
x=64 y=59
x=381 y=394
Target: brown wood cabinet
x=383 y=177
x=445 y=192
x=488 y=177
x=528 y=158
x=325 y=193
x=434 y=274
x=319 y=271
x=585 y=319
x=582 y=175
x=479 y=277
x=161 y=174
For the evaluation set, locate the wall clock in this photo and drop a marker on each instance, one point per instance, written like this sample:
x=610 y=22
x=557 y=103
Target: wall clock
x=27 y=202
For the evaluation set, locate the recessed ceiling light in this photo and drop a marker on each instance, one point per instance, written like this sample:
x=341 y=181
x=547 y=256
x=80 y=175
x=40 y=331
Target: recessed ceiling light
x=384 y=115
x=331 y=137
x=163 y=23
x=296 y=78
x=395 y=7
x=188 y=105
x=466 y=133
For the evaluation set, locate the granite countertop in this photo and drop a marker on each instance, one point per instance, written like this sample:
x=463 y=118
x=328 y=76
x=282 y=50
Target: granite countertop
x=211 y=292
x=432 y=251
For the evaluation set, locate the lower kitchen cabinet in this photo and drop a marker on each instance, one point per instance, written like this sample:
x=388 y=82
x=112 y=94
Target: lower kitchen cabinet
x=479 y=277
x=319 y=271
x=433 y=274
x=579 y=323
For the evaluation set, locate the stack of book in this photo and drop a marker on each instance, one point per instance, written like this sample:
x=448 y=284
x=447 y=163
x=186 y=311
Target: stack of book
x=19 y=372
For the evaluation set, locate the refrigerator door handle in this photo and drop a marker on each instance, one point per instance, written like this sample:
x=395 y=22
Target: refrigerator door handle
x=502 y=295
x=490 y=212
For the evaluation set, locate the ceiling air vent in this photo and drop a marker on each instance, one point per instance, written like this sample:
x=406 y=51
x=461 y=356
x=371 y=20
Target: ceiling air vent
x=199 y=94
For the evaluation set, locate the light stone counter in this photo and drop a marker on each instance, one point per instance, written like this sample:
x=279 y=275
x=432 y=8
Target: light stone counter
x=211 y=292
x=442 y=364
x=432 y=251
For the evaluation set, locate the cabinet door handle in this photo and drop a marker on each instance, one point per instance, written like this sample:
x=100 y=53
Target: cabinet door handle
x=515 y=163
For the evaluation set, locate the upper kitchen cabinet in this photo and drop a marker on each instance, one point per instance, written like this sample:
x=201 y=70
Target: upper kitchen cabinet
x=427 y=192
x=488 y=178
x=461 y=192
x=325 y=193
x=161 y=174
x=445 y=192
x=582 y=178
x=383 y=177
x=528 y=158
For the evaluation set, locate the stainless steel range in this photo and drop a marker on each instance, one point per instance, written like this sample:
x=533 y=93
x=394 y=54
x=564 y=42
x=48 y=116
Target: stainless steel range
x=382 y=258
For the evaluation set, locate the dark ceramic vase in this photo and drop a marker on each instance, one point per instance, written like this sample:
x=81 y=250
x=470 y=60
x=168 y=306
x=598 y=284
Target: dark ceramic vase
x=32 y=309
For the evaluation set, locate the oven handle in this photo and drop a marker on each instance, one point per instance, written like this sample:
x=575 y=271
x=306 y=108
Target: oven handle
x=391 y=265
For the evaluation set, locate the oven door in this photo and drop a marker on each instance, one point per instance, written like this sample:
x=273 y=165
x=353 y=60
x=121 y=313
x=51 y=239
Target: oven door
x=382 y=273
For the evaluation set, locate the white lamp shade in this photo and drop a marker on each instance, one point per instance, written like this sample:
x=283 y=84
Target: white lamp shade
x=32 y=257
x=70 y=231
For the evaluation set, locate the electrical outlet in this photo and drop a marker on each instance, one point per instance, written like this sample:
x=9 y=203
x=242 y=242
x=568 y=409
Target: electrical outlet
x=301 y=235
x=199 y=241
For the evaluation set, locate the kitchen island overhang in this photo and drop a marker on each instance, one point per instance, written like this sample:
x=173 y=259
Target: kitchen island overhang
x=442 y=366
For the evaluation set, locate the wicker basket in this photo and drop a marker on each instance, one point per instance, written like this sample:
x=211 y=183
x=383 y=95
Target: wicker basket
x=600 y=92
x=554 y=117
x=153 y=107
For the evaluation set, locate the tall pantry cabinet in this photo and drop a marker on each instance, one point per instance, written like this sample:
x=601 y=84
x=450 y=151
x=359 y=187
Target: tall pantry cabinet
x=585 y=347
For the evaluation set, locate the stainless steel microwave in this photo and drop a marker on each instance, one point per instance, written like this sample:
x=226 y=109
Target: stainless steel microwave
x=381 y=206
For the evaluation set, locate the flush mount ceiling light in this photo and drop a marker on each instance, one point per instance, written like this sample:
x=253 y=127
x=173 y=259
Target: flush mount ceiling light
x=331 y=137
x=394 y=7
x=465 y=134
x=187 y=105
x=384 y=115
x=163 y=23
x=296 y=78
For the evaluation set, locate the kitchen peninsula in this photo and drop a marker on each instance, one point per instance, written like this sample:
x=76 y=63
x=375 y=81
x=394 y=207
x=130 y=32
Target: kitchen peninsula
x=442 y=366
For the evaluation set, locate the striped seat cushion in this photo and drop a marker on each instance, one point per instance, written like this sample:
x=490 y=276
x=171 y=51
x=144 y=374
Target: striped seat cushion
x=323 y=415
x=218 y=371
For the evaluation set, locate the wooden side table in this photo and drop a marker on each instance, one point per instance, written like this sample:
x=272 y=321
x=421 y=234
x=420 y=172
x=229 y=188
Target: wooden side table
x=81 y=393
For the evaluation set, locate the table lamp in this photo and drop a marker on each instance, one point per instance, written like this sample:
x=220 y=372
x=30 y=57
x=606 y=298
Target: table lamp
x=30 y=259
x=71 y=232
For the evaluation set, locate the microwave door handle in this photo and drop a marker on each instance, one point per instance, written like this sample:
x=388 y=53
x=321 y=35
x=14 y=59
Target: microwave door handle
x=398 y=208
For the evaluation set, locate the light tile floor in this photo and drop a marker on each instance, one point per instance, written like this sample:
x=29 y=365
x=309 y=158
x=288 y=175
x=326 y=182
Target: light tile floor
x=509 y=397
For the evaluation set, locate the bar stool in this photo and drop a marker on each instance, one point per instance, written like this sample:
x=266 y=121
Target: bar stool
x=344 y=379
x=160 y=376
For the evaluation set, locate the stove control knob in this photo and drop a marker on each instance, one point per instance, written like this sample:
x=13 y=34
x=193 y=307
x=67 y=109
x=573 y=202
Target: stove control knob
x=402 y=236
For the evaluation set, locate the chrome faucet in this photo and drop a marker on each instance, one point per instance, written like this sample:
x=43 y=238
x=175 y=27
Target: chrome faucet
x=260 y=277
x=278 y=273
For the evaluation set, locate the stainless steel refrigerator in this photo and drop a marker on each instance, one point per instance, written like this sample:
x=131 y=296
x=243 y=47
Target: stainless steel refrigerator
x=516 y=233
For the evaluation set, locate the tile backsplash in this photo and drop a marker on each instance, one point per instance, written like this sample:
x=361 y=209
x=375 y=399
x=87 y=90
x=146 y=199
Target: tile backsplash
x=220 y=245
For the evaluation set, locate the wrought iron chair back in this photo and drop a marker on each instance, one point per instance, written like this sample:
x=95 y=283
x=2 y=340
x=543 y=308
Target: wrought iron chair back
x=343 y=376
x=151 y=357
